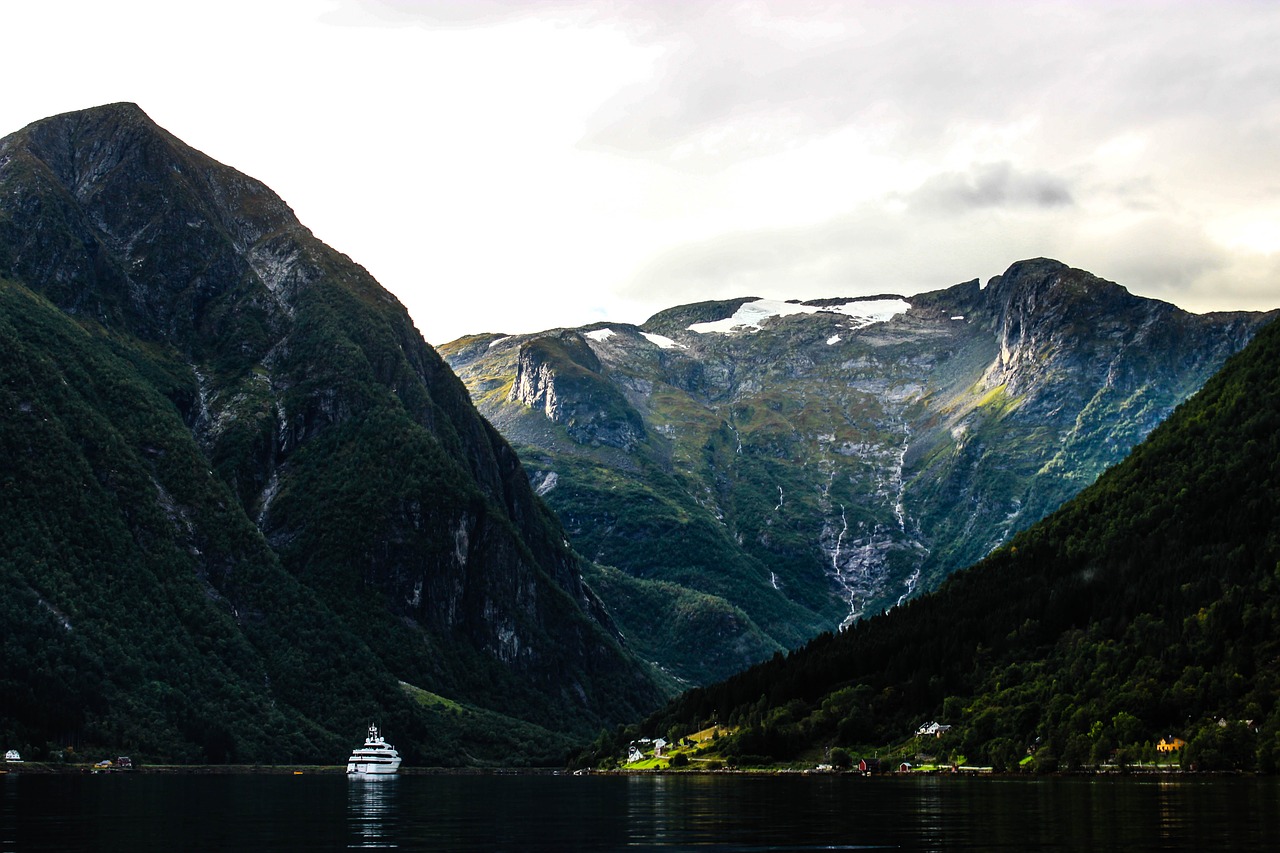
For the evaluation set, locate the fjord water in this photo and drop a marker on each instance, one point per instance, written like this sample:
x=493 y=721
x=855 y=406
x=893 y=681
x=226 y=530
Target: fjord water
x=741 y=813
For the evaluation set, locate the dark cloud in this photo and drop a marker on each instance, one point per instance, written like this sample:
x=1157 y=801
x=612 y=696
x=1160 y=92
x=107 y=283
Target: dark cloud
x=989 y=185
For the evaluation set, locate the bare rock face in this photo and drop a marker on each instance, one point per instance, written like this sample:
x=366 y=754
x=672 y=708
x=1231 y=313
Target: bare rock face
x=561 y=377
x=811 y=463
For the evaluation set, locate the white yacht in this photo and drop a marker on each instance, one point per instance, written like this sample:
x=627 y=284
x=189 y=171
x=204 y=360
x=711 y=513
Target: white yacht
x=375 y=758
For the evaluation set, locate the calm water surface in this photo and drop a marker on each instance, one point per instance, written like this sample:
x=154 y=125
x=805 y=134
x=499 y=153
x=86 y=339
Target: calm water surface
x=748 y=813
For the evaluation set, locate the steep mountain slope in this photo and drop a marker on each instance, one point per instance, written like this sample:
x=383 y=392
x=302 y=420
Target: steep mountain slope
x=795 y=466
x=227 y=438
x=1146 y=607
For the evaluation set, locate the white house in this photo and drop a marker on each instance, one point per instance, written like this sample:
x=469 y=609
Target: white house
x=932 y=729
x=12 y=757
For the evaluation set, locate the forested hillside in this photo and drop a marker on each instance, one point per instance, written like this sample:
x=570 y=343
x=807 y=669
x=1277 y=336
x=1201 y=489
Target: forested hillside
x=245 y=510
x=1148 y=607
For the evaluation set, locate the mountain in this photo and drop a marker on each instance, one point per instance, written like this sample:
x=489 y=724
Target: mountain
x=756 y=472
x=1146 y=608
x=246 y=508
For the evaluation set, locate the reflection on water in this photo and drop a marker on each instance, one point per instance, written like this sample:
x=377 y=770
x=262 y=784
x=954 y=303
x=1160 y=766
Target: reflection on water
x=8 y=823
x=152 y=813
x=371 y=810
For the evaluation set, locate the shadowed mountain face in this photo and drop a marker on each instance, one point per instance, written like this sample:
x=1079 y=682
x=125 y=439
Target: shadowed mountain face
x=760 y=471
x=243 y=494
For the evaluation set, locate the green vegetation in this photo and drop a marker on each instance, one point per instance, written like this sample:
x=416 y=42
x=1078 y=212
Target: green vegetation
x=1144 y=609
x=767 y=463
x=243 y=501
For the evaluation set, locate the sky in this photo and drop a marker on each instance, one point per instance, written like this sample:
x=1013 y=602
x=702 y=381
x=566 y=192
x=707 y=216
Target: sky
x=517 y=165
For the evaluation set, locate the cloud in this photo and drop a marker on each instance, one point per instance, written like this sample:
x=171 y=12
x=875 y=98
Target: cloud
x=989 y=185
x=880 y=248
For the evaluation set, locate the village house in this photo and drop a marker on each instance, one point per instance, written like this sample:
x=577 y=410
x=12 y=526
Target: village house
x=13 y=757
x=932 y=729
x=1170 y=744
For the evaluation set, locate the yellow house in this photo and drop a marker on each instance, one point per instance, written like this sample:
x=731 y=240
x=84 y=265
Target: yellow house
x=1173 y=744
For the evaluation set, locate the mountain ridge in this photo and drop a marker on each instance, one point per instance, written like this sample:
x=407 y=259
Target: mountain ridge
x=849 y=450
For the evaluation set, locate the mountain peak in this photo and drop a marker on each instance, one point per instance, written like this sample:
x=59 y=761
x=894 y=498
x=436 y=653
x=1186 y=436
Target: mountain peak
x=115 y=218
x=260 y=441
x=1043 y=283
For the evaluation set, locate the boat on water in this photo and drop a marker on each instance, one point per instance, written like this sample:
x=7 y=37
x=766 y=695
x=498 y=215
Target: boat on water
x=375 y=758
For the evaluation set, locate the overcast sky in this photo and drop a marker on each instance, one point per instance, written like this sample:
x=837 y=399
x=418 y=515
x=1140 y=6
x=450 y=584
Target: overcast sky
x=515 y=165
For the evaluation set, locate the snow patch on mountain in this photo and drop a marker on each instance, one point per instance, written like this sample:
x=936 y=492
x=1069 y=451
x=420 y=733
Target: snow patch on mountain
x=868 y=311
x=600 y=335
x=662 y=341
x=751 y=315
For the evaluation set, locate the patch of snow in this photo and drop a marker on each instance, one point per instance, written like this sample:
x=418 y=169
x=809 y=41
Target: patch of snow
x=750 y=315
x=662 y=341
x=493 y=343
x=958 y=317
x=865 y=312
x=833 y=340
x=600 y=334
x=773 y=580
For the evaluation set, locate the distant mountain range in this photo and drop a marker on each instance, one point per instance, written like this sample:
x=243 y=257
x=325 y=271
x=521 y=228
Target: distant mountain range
x=246 y=510
x=748 y=473
x=1143 y=611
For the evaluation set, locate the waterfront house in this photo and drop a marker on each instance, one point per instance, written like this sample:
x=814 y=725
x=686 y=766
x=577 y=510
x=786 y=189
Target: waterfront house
x=869 y=766
x=1170 y=744
x=13 y=757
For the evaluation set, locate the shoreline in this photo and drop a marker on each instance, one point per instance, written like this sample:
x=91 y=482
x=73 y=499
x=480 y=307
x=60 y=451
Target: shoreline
x=37 y=768
x=45 y=769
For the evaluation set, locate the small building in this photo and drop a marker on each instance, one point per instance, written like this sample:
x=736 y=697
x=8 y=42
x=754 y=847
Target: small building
x=124 y=762
x=869 y=766
x=1170 y=744
x=13 y=757
x=904 y=767
x=634 y=754
x=932 y=729
x=660 y=748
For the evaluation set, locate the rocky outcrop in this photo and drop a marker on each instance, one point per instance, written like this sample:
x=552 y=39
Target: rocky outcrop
x=561 y=376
